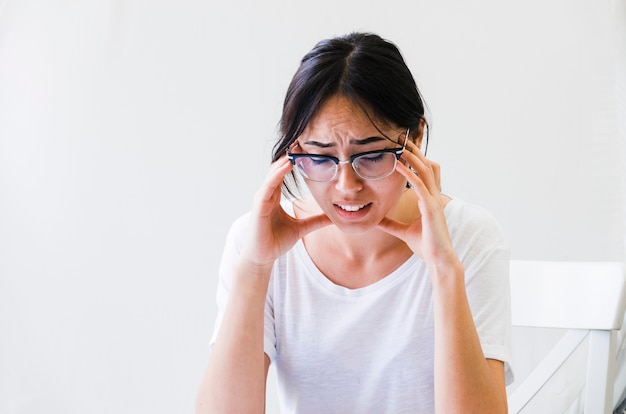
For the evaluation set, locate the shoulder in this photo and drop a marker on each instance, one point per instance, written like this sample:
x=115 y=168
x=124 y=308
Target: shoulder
x=237 y=233
x=476 y=235
x=464 y=217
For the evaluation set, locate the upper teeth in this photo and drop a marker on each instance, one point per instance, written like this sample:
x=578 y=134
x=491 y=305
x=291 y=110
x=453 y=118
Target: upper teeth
x=351 y=208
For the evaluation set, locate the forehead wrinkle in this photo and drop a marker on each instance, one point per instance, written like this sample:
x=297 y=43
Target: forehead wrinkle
x=341 y=121
x=364 y=141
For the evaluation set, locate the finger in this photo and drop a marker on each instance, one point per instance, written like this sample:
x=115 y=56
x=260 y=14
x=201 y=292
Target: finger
x=413 y=147
x=310 y=224
x=274 y=178
x=436 y=168
x=415 y=158
x=416 y=181
x=269 y=195
x=280 y=168
x=437 y=171
x=393 y=227
x=424 y=168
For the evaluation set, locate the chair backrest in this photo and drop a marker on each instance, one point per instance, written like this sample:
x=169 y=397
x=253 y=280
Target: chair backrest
x=589 y=299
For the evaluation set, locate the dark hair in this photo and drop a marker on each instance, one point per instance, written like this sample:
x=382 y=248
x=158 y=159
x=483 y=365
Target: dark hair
x=365 y=68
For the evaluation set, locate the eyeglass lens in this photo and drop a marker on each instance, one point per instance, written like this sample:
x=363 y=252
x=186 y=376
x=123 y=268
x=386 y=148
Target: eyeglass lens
x=369 y=166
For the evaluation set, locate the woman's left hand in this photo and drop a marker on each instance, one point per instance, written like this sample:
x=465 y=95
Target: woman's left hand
x=428 y=234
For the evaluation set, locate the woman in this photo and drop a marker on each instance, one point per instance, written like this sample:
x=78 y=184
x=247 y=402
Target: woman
x=376 y=293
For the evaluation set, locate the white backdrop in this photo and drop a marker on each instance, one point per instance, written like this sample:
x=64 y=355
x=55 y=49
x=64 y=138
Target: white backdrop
x=133 y=132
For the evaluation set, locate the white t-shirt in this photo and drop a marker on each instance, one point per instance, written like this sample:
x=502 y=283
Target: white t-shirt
x=370 y=350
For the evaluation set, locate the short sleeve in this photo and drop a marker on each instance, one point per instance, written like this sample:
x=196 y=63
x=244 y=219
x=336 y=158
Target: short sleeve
x=232 y=251
x=481 y=248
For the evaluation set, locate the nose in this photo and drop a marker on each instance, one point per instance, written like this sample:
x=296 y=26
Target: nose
x=347 y=179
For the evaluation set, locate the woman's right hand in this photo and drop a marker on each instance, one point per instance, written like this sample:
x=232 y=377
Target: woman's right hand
x=272 y=231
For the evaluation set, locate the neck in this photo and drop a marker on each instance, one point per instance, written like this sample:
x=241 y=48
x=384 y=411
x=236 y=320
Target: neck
x=366 y=246
x=357 y=259
x=363 y=246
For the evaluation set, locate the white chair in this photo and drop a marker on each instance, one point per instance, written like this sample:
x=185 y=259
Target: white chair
x=586 y=298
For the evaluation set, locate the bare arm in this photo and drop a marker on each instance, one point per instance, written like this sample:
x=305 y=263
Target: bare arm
x=465 y=381
x=235 y=378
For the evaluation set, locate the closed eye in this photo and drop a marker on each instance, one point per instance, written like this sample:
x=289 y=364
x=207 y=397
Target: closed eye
x=320 y=159
x=373 y=157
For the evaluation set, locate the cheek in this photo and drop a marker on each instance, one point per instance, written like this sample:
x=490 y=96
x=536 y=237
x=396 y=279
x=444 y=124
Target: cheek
x=393 y=193
x=392 y=185
x=388 y=190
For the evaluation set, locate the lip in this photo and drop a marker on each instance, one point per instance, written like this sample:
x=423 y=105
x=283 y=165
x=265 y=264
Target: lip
x=352 y=211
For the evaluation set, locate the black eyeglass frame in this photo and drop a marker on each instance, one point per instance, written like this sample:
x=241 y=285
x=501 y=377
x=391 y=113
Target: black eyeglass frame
x=396 y=151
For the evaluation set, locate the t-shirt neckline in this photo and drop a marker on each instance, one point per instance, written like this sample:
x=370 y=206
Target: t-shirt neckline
x=384 y=283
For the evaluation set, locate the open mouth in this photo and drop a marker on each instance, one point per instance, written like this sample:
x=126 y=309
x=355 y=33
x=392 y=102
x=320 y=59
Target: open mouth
x=351 y=208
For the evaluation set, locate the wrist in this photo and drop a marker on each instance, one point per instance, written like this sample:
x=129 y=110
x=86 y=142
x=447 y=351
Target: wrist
x=256 y=259
x=446 y=271
x=251 y=267
x=251 y=281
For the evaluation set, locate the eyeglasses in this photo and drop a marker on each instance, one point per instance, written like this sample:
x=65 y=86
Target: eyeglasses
x=370 y=165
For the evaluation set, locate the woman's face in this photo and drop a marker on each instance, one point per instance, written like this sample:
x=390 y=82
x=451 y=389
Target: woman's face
x=341 y=129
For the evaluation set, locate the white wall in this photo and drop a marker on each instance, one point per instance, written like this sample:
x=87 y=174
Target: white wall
x=133 y=132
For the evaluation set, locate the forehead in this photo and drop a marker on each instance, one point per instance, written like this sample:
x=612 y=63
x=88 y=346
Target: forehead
x=340 y=117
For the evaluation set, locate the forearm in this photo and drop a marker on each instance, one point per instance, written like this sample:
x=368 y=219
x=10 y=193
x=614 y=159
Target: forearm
x=234 y=380
x=464 y=381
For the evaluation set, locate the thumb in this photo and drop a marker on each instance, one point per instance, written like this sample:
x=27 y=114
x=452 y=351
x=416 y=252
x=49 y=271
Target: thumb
x=393 y=227
x=310 y=224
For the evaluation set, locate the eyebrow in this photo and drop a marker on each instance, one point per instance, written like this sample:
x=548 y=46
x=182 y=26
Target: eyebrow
x=363 y=141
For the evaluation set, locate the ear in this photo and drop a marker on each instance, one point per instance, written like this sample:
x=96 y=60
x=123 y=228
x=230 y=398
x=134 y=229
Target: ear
x=418 y=135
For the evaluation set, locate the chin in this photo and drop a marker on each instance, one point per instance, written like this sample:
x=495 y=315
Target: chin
x=355 y=226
